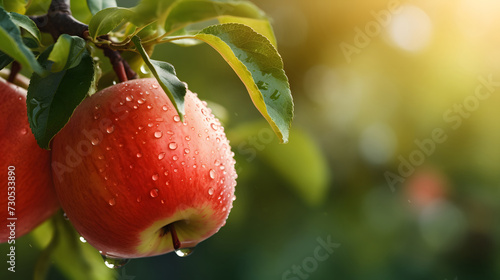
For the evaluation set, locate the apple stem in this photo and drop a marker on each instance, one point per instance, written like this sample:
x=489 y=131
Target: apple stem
x=14 y=70
x=175 y=239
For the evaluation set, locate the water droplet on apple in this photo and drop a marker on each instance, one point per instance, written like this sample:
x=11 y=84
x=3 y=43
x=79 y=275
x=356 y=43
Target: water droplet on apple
x=155 y=177
x=139 y=155
x=83 y=239
x=139 y=199
x=214 y=126
x=186 y=151
x=95 y=141
x=161 y=156
x=177 y=118
x=184 y=252
x=211 y=191
x=24 y=131
x=150 y=124
x=141 y=101
x=112 y=202
x=158 y=134
x=110 y=129
x=149 y=107
x=164 y=108
x=155 y=85
x=203 y=112
x=153 y=193
x=97 y=116
x=172 y=145
x=162 y=201
x=188 y=138
x=166 y=173
x=114 y=263
x=212 y=174
x=129 y=98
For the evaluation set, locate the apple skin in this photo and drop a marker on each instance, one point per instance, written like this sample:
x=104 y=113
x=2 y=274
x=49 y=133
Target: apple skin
x=125 y=167
x=35 y=198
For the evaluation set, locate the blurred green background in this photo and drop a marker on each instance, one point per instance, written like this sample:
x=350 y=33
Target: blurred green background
x=372 y=80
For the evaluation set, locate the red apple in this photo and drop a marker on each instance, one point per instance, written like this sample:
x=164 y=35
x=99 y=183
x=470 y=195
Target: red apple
x=26 y=176
x=135 y=180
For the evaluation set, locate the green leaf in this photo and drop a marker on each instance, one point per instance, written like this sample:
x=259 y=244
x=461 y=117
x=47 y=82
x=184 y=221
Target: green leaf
x=52 y=99
x=300 y=162
x=18 y=6
x=259 y=66
x=76 y=260
x=107 y=20
x=27 y=24
x=4 y=60
x=96 y=5
x=185 y=12
x=148 y=11
x=13 y=46
x=165 y=74
x=66 y=52
x=261 y=26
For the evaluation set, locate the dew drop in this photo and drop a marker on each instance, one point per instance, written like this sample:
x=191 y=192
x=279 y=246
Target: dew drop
x=172 y=145
x=214 y=126
x=177 y=118
x=153 y=193
x=149 y=107
x=128 y=98
x=184 y=252
x=141 y=101
x=110 y=129
x=170 y=132
x=211 y=191
x=139 y=155
x=212 y=174
x=95 y=141
x=114 y=263
x=188 y=138
x=175 y=158
x=158 y=134
x=155 y=177
x=161 y=156
x=24 y=131
x=155 y=85
x=162 y=201
x=186 y=151
x=139 y=199
x=150 y=124
x=83 y=239
x=112 y=202
x=97 y=116
x=166 y=173
x=164 y=108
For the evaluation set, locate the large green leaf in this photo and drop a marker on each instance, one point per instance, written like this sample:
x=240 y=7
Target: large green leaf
x=52 y=99
x=75 y=259
x=165 y=74
x=96 y=5
x=261 y=26
x=12 y=44
x=66 y=52
x=185 y=12
x=27 y=24
x=108 y=19
x=258 y=64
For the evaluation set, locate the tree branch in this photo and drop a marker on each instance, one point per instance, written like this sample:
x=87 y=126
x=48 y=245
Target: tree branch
x=59 y=21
